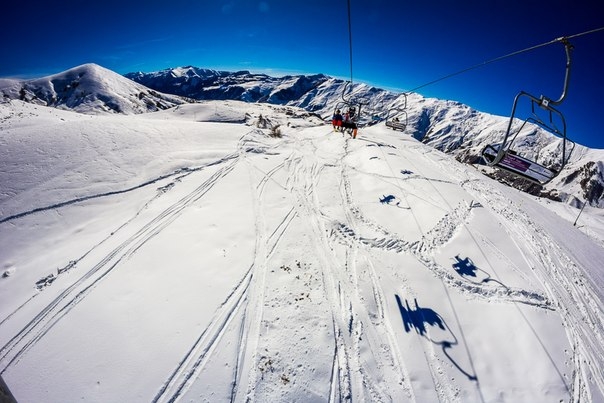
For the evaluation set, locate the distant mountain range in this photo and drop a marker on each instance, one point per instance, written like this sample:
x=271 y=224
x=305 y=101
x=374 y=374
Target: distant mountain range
x=448 y=126
x=204 y=84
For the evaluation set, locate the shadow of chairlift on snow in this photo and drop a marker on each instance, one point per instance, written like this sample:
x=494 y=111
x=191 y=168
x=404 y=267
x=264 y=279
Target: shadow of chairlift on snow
x=387 y=199
x=393 y=201
x=466 y=268
x=421 y=319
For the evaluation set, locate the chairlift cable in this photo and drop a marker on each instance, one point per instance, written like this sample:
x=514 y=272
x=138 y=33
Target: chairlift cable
x=350 y=42
x=504 y=57
x=354 y=109
x=585 y=33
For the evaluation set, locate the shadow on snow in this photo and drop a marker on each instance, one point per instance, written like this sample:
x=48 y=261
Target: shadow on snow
x=420 y=319
x=470 y=272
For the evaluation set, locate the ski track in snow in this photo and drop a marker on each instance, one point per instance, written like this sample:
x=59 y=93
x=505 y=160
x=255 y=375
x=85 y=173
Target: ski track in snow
x=180 y=379
x=423 y=250
x=391 y=354
x=351 y=324
x=302 y=182
x=573 y=299
x=239 y=305
x=76 y=292
x=178 y=175
x=568 y=290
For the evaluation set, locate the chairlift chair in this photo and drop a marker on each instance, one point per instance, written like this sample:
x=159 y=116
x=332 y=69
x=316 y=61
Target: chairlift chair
x=397 y=117
x=506 y=156
x=350 y=105
x=345 y=107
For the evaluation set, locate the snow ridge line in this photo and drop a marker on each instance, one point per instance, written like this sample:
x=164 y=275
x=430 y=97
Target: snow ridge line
x=180 y=173
x=52 y=313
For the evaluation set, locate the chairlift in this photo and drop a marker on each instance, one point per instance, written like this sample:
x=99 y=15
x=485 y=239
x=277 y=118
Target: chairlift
x=373 y=113
x=397 y=117
x=352 y=108
x=354 y=105
x=505 y=155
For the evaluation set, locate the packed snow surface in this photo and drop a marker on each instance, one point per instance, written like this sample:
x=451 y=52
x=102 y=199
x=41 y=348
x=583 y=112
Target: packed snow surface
x=188 y=255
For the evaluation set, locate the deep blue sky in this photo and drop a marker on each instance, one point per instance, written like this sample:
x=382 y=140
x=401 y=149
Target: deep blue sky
x=396 y=44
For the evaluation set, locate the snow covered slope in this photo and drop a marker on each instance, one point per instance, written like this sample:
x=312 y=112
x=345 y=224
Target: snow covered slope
x=90 y=89
x=191 y=255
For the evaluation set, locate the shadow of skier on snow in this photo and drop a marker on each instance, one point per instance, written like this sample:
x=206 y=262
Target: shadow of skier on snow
x=419 y=318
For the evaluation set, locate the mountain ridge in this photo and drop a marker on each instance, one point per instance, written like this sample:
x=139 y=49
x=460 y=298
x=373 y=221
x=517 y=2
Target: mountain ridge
x=89 y=88
x=446 y=125
x=208 y=84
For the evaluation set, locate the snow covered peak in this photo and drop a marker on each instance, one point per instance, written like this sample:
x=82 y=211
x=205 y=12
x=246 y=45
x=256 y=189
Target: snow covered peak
x=91 y=89
x=190 y=71
x=206 y=84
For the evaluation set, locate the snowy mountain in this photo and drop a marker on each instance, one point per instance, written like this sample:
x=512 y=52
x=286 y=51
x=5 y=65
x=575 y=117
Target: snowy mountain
x=448 y=126
x=90 y=89
x=204 y=84
x=198 y=254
